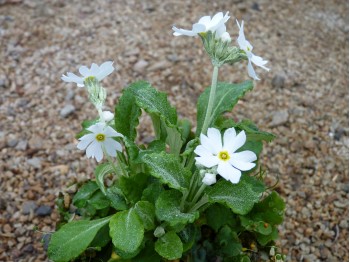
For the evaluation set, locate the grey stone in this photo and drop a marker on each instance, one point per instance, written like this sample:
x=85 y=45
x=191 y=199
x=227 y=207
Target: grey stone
x=140 y=66
x=2 y=204
x=28 y=206
x=22 y=145
x=70 y=94
x=12 y=142
x=279 y=118
x=34 y=162
x=43 y=211
x=67 y=110
x=46 y=240
x=278 y=81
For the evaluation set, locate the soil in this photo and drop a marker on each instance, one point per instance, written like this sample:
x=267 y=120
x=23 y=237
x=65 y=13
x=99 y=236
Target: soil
x=303 y=100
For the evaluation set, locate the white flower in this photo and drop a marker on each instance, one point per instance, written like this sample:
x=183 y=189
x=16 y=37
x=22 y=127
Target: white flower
x=98 y=72
x=205 y=24
x=209 y=179
x=107 y=116
x=247 y=48
x=212 y=152
x=100 y=141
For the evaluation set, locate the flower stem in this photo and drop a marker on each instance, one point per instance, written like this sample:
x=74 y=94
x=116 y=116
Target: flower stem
x=214 y=82
x=199 y=193
x=199 y=204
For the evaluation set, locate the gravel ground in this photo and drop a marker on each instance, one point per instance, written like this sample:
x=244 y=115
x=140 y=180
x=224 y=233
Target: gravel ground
x=303 y=99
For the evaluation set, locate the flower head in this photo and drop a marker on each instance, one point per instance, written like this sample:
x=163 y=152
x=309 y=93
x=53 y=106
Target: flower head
x=247 y=48
x=100 y=141
x=95 y=71
x=209 y=179
x=215 y=151
x=206 y=23
x=107 y=116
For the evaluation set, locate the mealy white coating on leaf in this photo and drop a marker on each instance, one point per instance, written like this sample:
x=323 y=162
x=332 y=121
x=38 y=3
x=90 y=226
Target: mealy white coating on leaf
x=247 y=48
x=215 y=151
x=95 y=148
x=99 y=72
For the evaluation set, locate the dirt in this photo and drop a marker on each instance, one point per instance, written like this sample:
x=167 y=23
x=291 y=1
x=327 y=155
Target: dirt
x=303 y=99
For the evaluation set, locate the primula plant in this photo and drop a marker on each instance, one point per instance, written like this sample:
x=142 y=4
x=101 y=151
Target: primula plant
x=194 y=193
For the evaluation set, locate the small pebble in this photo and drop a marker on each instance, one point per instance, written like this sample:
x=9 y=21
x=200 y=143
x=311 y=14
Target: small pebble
x=67 y=110
x=279 y=118
x=278 y=81
x=34 y=162
x=43 y=211
x=140 y=66
x=28 y=206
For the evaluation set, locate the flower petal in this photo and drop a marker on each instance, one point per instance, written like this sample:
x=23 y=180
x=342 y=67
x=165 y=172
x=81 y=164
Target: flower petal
x=94 y=69
x=236 y=143
x=205 y=20
x=207 y=143
x=105 y=69
x=229 y=136
x=245 y=156
x=198 y=28
x=202 y=151
x=214 y=136
x=244 y=166
x=178 y=32
x=85 y=141
x=259 y=61
x=229 y=172
x=251 y=71
x=207 y=161
x=84 y=71
x=97 y=128
x=110 y=132
x=95 y=150
x=111 y=146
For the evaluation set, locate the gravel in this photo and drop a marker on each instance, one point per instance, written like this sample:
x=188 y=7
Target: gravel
x=305 y=92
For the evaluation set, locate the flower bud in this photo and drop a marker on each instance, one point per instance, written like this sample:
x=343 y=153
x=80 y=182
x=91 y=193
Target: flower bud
x=107 y=116
x=209 y=179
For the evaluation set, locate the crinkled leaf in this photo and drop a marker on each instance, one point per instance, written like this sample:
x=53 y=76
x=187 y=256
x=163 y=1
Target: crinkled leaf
x=73 y=238
x=147 y=254
x=133 y=186
x=169 y=246
x=168 y=209
x=100 y=172
x=239 y=197
x=227 y=96
x=126 y=230
x=84 y=193
x=219 y=215
x=99 y=201
x=188 y=236
x=152 y=192
x=146 y=211
x=270 y=209
x=265 y=239
x=127 y=114
x=153 y=102
x=229 y=242
x=116 y=196
x=168 y=169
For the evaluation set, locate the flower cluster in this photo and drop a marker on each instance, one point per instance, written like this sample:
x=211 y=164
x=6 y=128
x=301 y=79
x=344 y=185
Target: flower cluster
x=216 y=25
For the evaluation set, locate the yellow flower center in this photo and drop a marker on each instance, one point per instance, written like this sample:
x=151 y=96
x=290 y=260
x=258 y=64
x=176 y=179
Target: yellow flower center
x=224 y=155
x=90 y=78
x=248 y=49
x=100 y=137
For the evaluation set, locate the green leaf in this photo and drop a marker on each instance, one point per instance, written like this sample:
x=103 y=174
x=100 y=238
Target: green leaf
x=227 y=96
x=127 y=114
x=168 y=169
x=239 y=197
x=265 y=239
x=152 y=192
x=102 y=237
x=188 y=236
x=174 y=140
x=256 y=226
x=255 y=146
x=153 y=102
x=99 y=201
x=146 y=212
x=73 y=238
x=218 y=215
x=126 y=231
x=115 y=195
x=270 y=210
x=168 y=209
x=169 y=246
x=229 y=242
x=148 y=254
x=253 y=133
x=84 y=193
x=100 y=172
x=133 y=186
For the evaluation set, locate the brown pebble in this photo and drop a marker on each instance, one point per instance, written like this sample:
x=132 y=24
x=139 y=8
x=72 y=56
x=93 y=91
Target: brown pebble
x=7 y=228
